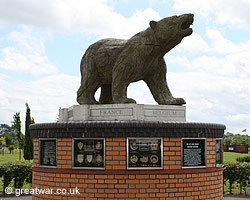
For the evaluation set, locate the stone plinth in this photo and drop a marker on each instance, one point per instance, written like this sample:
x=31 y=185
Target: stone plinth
x=122 y=112
x=127 y=151
x=116 y=180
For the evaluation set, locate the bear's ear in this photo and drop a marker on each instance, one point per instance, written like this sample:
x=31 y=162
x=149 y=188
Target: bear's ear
x=152 y=24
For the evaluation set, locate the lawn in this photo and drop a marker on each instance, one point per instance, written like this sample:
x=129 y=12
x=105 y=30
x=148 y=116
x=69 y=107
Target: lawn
x=230 y=157
x=7 y=157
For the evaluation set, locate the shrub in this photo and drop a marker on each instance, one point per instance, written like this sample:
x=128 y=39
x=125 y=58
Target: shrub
x=230 y=174
x=237 y=172
x=19 y=171
x=243 y=159
x=243 y=176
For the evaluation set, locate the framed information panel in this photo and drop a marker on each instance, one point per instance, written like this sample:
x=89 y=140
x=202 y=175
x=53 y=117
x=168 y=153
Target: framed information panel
x=144 y=153
x=193 y=153
x=219 y=152
x=47 y=152
x=89 y=153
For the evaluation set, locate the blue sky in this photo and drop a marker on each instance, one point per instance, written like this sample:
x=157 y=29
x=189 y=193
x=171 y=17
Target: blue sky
x=42 y=42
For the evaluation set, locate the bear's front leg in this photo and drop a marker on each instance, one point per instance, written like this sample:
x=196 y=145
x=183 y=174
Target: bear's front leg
x=161 y=92
x=157 y=83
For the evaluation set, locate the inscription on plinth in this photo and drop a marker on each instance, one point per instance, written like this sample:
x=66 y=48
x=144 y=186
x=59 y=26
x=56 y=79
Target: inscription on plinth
x=111 y=112
x=166 y=113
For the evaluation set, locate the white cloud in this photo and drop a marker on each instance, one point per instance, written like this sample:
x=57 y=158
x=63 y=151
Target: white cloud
x=220 y=44
x=213 y=98
x=216 y=56
x=234 y=13
x=44 y=96
x=238 y=117
x=210 y=98
x=26 y=54
x=194 y=44
x=92 y=16
x=235 y=64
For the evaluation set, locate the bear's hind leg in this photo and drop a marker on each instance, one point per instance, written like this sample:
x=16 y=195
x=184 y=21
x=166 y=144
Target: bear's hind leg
x=86 y=96
x=89 y=83
x=106 y=94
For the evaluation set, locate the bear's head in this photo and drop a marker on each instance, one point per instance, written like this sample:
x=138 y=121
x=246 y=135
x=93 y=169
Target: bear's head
x=171 y=30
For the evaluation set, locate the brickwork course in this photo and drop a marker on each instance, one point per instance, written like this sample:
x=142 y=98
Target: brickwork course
x=116 y=182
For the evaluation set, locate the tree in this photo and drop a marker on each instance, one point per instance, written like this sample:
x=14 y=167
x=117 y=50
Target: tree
x=236 y=139
x=11 y=148
x=8 y=140
x=2 y=144
x=2 y=141
x=28 y=144
x=5 y=128
x=8 y=131
x=17 y=125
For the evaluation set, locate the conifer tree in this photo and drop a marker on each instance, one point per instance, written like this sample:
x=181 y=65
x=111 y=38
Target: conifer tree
x=28 y=145
x=17 y=126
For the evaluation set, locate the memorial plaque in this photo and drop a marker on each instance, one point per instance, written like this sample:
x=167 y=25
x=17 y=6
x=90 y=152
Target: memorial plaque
x=89 y=153
x=219 y=152
x=193 y=153
x=144 y=153
x=47 y=152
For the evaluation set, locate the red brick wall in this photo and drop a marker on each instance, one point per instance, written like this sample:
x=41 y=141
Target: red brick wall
x=116 y=182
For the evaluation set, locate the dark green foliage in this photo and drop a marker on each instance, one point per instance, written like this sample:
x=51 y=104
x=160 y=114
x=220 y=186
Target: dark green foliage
x=243 y=176
x=6 y=129
x=230 y=174
x=11 y=148
x=8 y=140
x=7 y=174
x=236 y=139
x=237 y=173
x=9 y=133
x=28 y=145
x=243 y=159
x=19 y=171
x=17 y=126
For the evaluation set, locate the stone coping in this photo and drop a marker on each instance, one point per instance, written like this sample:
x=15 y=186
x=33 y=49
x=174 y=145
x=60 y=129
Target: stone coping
x=122 y=112
x=113 y=129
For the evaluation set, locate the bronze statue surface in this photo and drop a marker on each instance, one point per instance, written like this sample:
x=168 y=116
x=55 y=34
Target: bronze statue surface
x=113 y=64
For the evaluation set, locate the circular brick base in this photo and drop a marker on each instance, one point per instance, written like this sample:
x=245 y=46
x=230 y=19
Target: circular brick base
x=116 y=182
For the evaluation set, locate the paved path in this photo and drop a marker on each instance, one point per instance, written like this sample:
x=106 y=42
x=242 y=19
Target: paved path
x=17 y=198
x=235 y=198
x=30 y=198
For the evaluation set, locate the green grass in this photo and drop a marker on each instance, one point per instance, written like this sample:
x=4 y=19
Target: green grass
x=236 y=188
x=7 y=157
x=230 y=157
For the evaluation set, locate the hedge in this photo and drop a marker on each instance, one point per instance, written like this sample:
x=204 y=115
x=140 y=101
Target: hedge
x=243 y=159
x=237 y=173
x=17 y=171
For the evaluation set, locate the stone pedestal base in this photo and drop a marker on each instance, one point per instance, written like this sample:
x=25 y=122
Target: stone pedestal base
x=122 y=112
